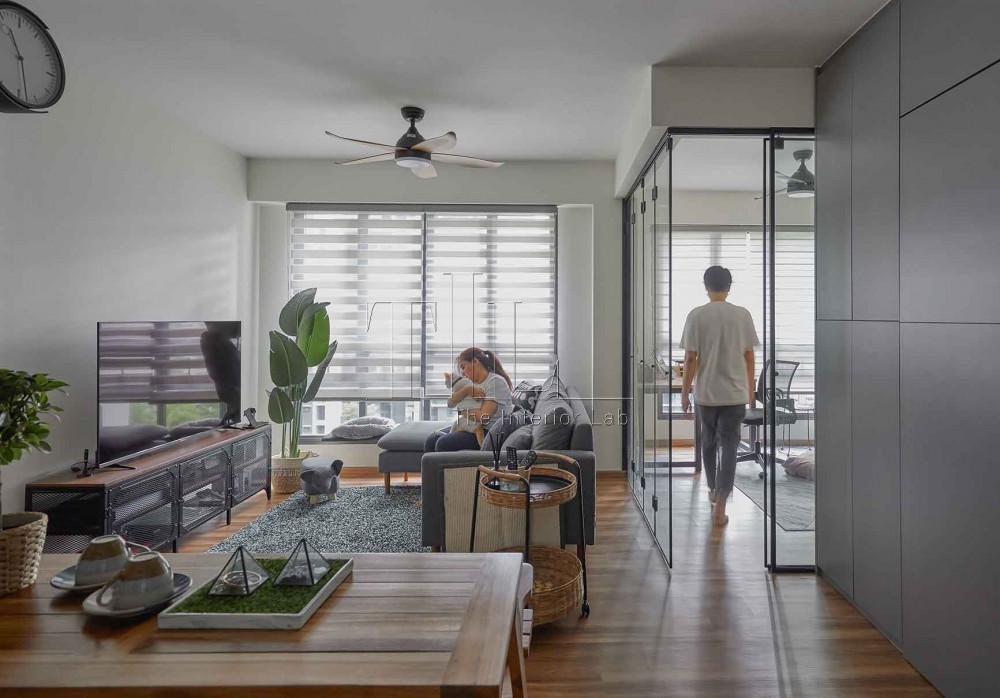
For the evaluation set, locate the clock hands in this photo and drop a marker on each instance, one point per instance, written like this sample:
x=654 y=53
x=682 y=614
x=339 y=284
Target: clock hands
x=20 y=59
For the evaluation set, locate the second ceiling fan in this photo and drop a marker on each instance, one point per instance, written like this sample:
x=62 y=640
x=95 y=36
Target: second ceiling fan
x=415 y=152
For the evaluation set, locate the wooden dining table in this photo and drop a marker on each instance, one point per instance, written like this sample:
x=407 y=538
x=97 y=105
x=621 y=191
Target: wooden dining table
x=401 y=625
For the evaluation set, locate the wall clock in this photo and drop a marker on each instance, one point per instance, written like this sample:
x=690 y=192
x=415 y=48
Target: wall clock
x=32 y=75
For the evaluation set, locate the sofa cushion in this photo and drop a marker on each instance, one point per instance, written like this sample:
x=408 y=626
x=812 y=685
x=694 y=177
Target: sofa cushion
x=552 y=425
x=362 y=428
x=525 y=395
x=410 y=436
x=502 y=427
x=519 y=439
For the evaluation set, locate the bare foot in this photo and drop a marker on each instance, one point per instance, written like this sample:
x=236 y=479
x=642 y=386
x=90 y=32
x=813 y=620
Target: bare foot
x=719 y=517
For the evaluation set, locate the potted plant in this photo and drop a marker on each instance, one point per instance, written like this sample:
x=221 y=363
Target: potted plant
x=303 y=342
x=24 y=405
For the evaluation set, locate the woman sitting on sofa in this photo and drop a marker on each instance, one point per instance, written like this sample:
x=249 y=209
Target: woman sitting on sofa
x=490 y=384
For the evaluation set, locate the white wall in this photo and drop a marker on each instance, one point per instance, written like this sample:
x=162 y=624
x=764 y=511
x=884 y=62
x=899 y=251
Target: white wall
x=589 y=252
x=686 y=97
x=111 y=211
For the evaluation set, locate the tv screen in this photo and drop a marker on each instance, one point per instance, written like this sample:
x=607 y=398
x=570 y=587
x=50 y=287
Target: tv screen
x=161 y=382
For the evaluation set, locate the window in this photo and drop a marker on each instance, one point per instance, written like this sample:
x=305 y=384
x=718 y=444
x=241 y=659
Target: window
x=409 y=287
x=697 y=247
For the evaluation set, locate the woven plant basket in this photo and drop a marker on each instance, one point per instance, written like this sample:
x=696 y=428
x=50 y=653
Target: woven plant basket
x=558 y=585
x=21 y=542
x=285 y=473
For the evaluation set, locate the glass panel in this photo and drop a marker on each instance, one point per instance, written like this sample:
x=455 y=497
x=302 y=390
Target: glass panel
x=659 y=341
x=635 y=424
x=790 y=393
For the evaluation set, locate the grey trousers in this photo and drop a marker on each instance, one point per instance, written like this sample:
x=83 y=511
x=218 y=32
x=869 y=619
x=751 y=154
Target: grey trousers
x=720 y=430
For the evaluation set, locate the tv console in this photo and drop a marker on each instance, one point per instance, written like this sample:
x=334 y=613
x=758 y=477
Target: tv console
x=168 y=494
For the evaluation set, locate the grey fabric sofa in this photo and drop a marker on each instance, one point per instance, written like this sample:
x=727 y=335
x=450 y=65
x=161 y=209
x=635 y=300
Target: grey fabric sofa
x=581 y=448
x=403 y=447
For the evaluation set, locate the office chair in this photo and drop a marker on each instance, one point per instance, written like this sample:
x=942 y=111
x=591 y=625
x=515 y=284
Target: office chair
x=784 y=409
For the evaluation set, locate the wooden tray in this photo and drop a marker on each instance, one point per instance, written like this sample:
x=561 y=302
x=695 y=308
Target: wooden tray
x=252 y=621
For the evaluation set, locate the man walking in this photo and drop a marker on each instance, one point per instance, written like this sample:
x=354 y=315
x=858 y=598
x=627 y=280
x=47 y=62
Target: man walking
x=718 y=340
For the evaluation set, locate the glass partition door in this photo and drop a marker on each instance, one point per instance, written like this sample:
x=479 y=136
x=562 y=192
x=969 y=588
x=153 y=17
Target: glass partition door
x=648 y=458
x=789 y=354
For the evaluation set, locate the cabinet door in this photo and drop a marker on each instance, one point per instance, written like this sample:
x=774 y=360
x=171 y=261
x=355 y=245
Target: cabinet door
x=943 y=43
x=949 y=484
x=203 y=488
x=833 y=185
x=875 y=472
x=950 y=207
x=875 y=169
x=834 y=517
x=143 y=511
x=251 y=466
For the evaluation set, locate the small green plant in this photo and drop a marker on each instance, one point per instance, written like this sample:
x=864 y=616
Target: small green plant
x=24 y=405
x=303 y=343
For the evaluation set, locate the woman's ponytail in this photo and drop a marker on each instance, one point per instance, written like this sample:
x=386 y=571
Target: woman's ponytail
x=489 y=361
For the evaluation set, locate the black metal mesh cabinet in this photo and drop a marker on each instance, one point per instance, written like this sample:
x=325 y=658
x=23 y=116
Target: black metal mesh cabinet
x=169 y=493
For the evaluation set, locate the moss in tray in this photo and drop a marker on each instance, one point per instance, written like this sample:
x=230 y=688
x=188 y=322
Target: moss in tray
x=267 y=599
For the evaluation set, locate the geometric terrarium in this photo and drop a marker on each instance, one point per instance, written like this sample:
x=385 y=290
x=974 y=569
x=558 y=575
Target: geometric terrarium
x=305 y=567
x=241 y=576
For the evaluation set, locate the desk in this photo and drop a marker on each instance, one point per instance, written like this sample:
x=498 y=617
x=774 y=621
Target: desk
x=402 y=625
x=675 y=386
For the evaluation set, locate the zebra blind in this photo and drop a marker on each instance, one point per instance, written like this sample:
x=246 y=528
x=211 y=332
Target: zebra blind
x=368 y=266
x=491 y=283
x=741 y=252
x=409 y=289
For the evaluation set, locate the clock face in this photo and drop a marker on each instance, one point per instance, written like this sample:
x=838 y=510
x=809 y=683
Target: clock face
x=31 y=71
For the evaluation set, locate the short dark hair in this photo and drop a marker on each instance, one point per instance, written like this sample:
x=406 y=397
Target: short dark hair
x=718 y=279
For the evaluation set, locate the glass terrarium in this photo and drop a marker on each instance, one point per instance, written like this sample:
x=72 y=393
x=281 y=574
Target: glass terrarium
x=242 y=575
x=305 y=567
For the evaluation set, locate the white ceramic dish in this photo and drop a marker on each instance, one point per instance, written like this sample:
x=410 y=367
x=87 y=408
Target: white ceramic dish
x=182 y=583
x=66 y=580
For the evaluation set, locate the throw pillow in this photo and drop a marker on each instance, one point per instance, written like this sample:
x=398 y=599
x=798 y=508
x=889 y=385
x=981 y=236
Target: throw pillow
x=525 y=395
x=355 y=430
x=552 y=425
x=502 y=427
x=520 y=439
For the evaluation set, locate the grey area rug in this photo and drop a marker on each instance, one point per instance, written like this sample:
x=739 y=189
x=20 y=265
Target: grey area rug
x=796 y=496
x=359 y=520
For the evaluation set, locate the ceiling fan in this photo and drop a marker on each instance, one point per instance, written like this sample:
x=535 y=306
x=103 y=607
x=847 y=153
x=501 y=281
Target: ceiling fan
x=802 y=183
x=415 y=152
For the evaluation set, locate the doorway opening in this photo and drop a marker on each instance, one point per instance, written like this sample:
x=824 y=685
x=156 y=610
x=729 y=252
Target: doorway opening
x=744 y=200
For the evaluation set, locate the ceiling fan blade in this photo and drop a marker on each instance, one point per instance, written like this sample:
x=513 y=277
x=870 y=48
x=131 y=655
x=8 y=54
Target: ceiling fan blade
x=382 y=157
x=437 y=145
x=463 y=160
x=425 y=172
x=380 y=146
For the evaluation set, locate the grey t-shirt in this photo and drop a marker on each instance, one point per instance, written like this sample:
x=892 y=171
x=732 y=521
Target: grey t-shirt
x=721 y=333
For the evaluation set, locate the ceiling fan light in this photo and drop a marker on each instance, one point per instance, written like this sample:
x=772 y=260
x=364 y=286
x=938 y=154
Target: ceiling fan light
x=803 y=194
x=412 y=161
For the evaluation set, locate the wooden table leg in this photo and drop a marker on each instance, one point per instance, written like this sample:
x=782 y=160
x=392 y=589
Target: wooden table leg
x=515 y=659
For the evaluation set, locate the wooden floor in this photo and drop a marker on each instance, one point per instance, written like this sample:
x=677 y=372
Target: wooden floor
x=715 y=625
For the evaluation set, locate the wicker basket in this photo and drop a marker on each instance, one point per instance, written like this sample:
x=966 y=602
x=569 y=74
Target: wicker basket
x=558 y=586
x=516 y=500
x=285 y=473
x=21 y=540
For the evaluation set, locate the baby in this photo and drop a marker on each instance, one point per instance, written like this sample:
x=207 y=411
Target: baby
x=464 y=423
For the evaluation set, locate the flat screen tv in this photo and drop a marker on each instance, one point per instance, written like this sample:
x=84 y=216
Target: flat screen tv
x=159 y=383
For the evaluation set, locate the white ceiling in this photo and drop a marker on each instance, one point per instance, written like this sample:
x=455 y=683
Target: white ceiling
x=516 y=79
